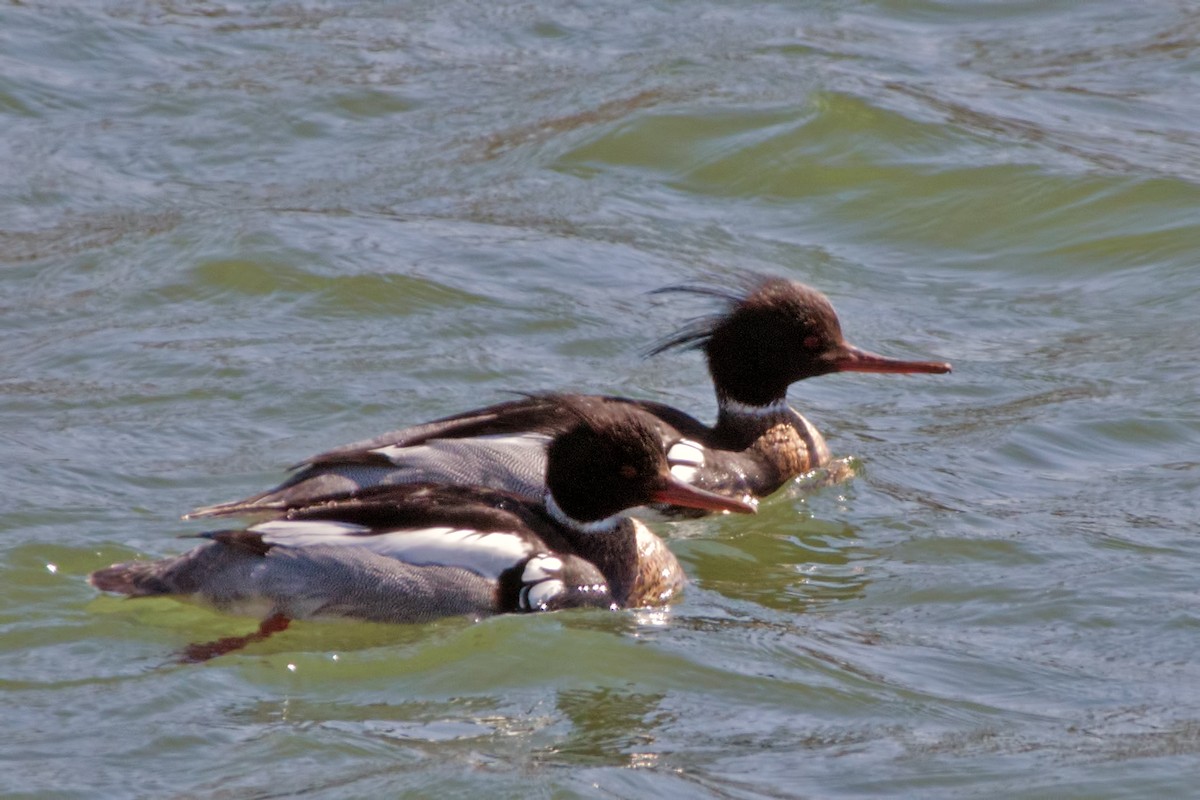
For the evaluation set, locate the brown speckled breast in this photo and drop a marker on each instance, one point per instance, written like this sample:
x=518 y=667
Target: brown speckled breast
x=659 y=576
x=792 y=446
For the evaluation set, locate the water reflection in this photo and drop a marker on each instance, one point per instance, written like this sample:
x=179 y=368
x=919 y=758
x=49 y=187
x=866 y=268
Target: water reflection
x=608 y=726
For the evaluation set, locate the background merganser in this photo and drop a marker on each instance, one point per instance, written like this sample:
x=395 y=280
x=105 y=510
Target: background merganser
x=772 y=333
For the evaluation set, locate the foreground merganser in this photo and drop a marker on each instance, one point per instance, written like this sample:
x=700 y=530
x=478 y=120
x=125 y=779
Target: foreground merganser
x=772 y=333
x=415 y=552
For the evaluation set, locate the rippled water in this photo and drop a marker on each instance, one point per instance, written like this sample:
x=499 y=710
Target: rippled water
x=233 y=235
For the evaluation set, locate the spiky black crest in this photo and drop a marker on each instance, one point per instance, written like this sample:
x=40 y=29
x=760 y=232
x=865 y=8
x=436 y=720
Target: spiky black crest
x=749 y=294
x=695 y=332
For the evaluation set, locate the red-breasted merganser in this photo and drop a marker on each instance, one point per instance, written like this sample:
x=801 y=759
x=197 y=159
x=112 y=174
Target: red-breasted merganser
x=772 y=333
x=414 y=552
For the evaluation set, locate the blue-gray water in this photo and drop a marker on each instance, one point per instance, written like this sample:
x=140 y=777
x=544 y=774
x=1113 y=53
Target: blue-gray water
x=232 y=235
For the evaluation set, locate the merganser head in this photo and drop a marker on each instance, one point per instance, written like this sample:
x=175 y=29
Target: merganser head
x=773 y=333
x=612 y=460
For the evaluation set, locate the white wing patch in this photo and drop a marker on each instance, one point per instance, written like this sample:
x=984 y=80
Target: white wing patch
x=538 y=596
x=542 y=582
x=541 y=568
x=435 y=449
x=485 y=553
x=685 y=458
x=301 y=532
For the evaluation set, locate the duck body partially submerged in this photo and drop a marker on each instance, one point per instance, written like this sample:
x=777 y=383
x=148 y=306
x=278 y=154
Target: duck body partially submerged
x=419 y=551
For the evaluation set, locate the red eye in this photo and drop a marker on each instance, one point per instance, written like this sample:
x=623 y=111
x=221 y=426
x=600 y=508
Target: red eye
x=628 y=471
x=811 y=342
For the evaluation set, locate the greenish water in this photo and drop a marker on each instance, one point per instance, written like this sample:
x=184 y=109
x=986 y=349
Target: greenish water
x=233 y=235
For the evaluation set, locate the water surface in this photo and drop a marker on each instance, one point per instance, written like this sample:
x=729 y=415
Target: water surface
x=233 y=235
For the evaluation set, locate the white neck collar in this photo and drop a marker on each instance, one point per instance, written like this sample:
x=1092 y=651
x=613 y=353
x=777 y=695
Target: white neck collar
x=739 y=409
x=606 y=525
